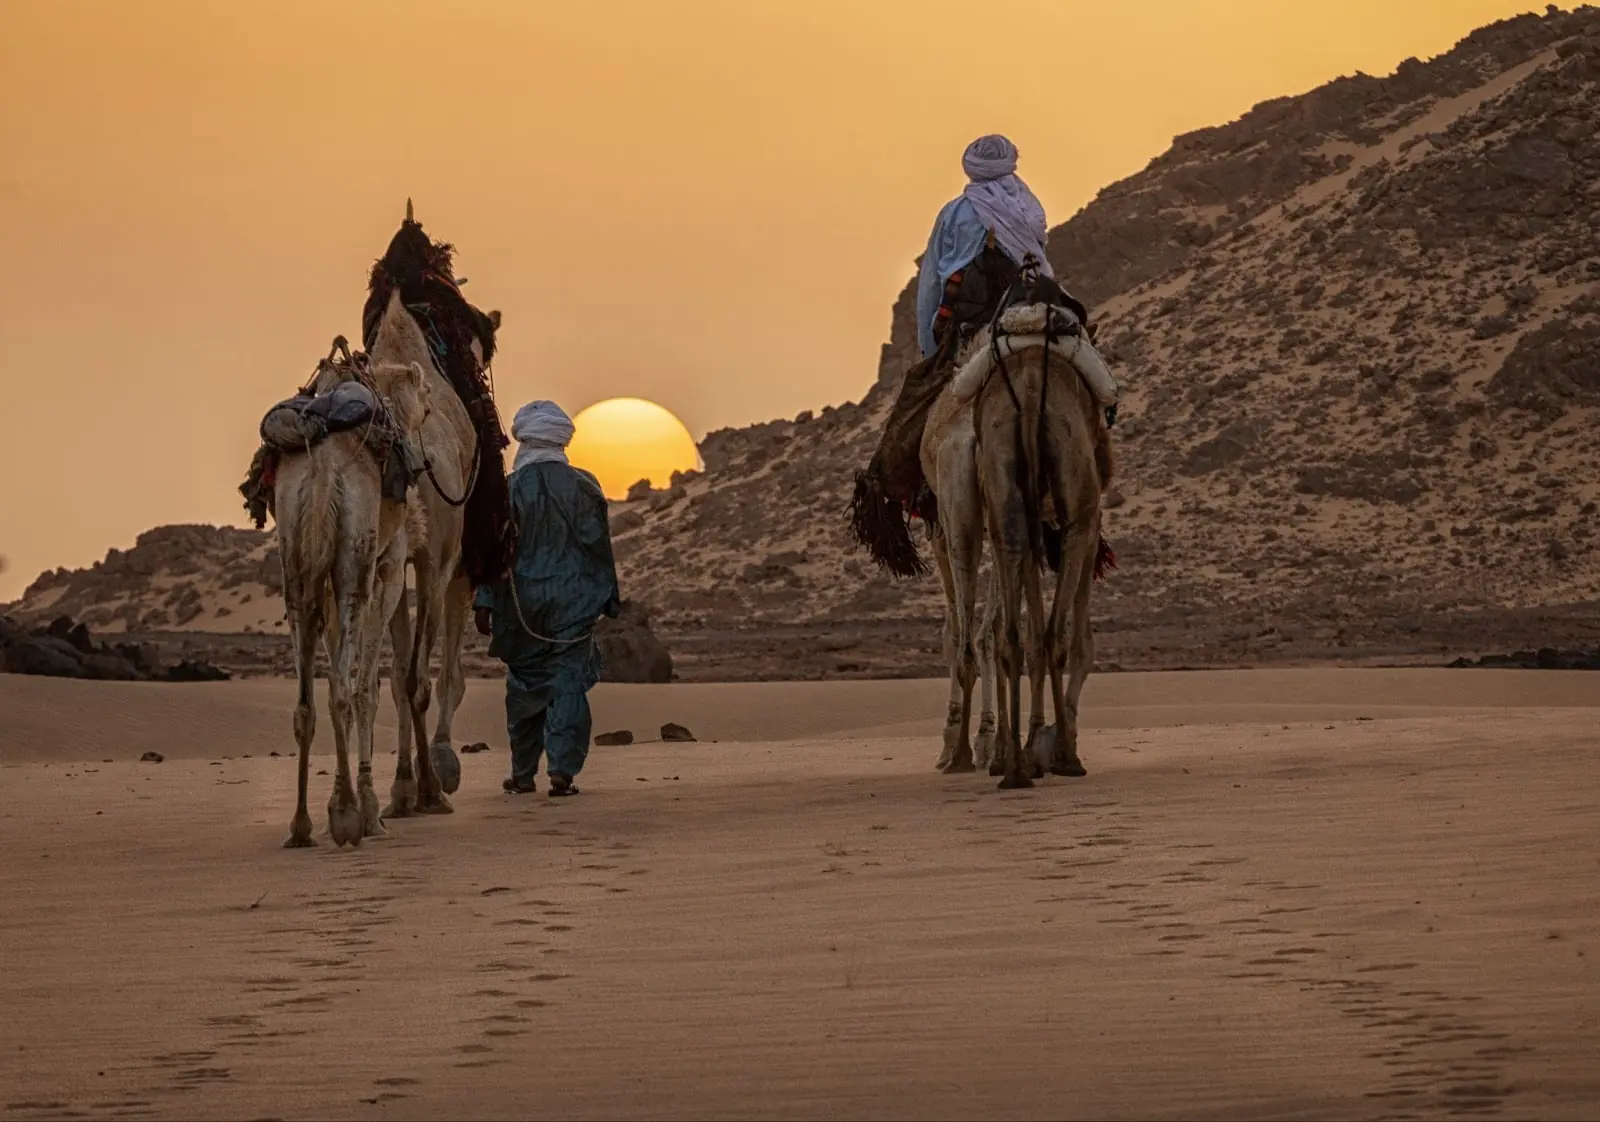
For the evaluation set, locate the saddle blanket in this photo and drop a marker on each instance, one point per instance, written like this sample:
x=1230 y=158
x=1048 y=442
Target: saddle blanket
x=296 y=423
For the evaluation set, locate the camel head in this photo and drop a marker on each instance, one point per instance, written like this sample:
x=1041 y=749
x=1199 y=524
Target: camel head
x=405 y=390
x=423 y=272
x=485 y=329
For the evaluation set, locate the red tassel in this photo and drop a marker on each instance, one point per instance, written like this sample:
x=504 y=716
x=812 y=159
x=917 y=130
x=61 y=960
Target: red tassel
x=1105 y=559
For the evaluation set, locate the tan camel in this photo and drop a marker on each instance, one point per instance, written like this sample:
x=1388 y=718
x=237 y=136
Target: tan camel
x=443 y=593
x=1039 y=432
x=949 y=464
x=342 y=547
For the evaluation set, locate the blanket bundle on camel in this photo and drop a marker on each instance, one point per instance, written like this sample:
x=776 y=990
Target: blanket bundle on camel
x=891 y=490
x=299 y=423
x=422 y=270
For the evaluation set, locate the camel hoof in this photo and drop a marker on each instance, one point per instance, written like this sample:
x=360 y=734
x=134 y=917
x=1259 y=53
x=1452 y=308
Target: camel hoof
x=446 y=765
x=299 y=833
x=436 y=804
x=1072 y=768
x=959 y=762
x=402 y=799
x=374 y=829
x=1035 y=770
x=1015 y=783
x=996 y=767
x=344 y=825
x=1041 y=749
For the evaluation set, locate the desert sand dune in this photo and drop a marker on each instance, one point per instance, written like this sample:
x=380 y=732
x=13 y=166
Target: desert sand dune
x=1340 y=918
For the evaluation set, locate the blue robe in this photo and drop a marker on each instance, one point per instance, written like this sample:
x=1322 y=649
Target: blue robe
x=957 y=239
x=565 y=580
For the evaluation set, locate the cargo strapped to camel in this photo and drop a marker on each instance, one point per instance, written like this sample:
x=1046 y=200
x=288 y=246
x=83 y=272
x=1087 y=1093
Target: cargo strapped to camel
x=339 y=397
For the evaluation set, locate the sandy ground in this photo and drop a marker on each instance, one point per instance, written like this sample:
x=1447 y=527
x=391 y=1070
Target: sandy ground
x=1279 y=894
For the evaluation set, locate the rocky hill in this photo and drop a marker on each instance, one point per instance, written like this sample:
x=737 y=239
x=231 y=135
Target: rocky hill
x=1358 y=332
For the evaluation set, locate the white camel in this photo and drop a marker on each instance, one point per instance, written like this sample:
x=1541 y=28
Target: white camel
x=1016 y=442
x=443 y=593
x=1042 y=454
x=949 y=464
x=342 y=547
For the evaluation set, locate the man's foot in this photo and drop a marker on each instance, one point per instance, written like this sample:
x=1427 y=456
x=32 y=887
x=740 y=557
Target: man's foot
x=561 y=785
x=515 y=786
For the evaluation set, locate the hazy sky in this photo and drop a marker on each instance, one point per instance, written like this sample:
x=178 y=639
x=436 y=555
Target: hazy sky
x=711 y=205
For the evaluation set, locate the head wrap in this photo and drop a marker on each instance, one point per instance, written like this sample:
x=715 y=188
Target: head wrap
x=542 y=431
x=989 y=157
x=1003 y=200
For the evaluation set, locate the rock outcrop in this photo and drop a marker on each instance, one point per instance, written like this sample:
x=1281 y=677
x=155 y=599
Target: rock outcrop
x=65 y=649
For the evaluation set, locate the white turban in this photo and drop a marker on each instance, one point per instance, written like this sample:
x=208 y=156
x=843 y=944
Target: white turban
x=542 y=431
x=989 y=157
x=1003 y=201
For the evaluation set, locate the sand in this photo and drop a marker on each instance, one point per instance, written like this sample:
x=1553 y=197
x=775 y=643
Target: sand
x=1279 y=894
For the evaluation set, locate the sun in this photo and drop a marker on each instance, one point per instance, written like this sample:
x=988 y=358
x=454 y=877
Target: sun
x=626 y=439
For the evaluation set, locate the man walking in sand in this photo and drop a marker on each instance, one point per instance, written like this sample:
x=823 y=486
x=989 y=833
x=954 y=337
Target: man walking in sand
x=541 y=616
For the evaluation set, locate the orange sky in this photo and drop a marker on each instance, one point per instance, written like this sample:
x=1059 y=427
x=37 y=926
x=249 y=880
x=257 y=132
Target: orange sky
x=711 y=205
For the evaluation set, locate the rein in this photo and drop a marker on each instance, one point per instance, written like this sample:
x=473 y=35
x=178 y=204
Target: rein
x=472 y=476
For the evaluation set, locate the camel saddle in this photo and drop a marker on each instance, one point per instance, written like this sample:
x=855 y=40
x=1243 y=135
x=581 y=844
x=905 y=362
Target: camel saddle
x=299 y=423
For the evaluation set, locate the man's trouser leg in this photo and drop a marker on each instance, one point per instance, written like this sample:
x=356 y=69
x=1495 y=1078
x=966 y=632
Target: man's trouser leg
x=527 y=735
x=566 y=733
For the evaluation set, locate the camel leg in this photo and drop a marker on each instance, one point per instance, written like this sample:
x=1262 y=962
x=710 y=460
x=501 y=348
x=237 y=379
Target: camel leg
x=955 y=728
x=305 y=629
x=965 y=544
x=983 y=747
x=388 y=586
x=403 y=792
x=1079 y=658
x=452 y=683
x=1037 y=635
x=430 y=596
x=1010 y=556
x=344 y=812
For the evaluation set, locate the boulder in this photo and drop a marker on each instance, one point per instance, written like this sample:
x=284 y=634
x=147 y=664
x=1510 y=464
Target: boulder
x=630 y=650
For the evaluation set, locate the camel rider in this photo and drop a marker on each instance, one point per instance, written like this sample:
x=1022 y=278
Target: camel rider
x=978 y=244
x=541 y=616
x=980 y=241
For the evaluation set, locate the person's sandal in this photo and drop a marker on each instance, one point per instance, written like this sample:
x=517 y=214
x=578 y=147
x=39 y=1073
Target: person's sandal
x=561 y=786
x=514 y=786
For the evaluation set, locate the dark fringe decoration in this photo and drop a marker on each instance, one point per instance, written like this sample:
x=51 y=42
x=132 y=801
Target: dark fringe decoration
x=422 y=270
x=879 y=525
x=259 y=483
x=1105 y=559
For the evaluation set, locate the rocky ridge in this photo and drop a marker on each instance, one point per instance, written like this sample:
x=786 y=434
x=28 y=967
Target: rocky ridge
x=1358 y=332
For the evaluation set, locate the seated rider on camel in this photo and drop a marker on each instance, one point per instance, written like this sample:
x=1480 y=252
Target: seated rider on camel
x=980 y=243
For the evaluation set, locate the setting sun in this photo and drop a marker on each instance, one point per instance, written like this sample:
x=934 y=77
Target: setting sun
x=627 y=439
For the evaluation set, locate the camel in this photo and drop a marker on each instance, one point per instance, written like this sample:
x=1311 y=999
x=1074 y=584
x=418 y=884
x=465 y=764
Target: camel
x=1040 y=453
x=443 y=593
x=949 y=464
x=457 y=477
x=342 y=546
